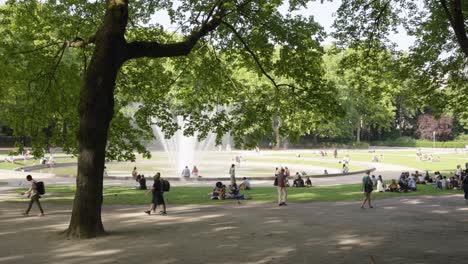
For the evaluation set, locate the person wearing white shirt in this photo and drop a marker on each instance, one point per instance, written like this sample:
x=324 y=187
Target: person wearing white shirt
x=412 y=184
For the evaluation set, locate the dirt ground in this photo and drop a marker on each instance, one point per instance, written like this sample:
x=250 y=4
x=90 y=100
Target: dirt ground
x=401 y=230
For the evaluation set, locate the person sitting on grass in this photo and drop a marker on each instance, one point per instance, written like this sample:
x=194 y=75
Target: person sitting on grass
x=308 y=182
x=142 y=183
x=298 y=182
x=453 y=183
x=233 y=189
x=219 y=191
x=428 y=178
x=412 y=185
x=444 y=183
x=393 y=186
x=245 y=185
x=421 y=179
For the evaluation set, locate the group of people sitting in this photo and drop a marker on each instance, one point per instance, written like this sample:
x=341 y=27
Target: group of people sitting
x=221 y=192
x=426 y=157
x=140 y=179
x=408 y=182
x=299 y=182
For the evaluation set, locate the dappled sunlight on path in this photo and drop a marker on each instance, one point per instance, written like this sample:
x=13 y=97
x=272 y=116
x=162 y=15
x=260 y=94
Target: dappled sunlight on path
x=247 y=233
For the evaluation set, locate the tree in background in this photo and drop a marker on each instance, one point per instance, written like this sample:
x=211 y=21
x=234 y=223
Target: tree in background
x=429 y=126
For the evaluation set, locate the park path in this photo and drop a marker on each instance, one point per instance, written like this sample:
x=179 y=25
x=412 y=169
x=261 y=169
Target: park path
x=397 y=230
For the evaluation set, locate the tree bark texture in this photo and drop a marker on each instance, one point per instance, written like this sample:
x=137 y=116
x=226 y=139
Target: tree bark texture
x=95 y=112
x=276 y=124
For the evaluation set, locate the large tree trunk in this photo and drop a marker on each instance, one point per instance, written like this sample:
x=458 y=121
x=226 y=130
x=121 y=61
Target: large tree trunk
x=96 y=110
x=276 y=124
x=358 y=131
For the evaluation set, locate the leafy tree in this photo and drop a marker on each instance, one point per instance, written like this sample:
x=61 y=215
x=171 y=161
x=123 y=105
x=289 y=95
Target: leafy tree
x=438 y=59
x=49 y=46
x=441 y=128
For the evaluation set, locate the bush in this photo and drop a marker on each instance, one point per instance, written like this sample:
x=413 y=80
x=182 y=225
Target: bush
x=398 y=142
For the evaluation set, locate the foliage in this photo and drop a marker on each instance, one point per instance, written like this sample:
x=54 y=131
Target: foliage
x=436 y=64
x=216 y=88
x=411 y=142
x=430 y=127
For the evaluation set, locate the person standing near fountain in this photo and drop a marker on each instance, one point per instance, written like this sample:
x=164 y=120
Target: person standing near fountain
x=186 y=172
x=232 y=173
x=134 y=173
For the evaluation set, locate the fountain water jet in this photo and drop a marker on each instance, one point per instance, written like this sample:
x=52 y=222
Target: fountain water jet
x=184 y=150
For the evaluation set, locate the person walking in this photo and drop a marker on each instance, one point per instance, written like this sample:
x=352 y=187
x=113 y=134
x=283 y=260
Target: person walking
x=33 y=193
x=367 y=188
x=232 y=173
x=282 y=194
x=157 y=196
x=465 y=188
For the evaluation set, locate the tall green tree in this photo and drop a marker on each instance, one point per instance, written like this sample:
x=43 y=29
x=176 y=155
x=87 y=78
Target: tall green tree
x=111 y=43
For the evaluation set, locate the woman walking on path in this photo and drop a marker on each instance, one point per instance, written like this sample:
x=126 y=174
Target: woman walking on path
x=367 y=187
x=158 y=198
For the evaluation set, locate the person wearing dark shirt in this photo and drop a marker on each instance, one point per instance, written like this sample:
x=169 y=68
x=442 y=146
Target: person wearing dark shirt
x=142 y=182
x=465 y=188
x=157 y=195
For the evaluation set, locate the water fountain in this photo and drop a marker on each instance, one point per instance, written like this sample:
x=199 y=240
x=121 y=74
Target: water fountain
x=184 y=150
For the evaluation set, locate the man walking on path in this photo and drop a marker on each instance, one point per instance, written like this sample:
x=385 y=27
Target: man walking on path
x=34 y=195
x=282 y=194
x=367 y=188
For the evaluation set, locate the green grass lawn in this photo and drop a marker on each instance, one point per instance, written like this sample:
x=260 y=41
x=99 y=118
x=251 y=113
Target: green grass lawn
x=201 y=195
x=448 y=162
x=22 y=163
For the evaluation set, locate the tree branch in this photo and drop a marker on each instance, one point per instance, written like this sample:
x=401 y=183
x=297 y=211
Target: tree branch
x=250 y=51
x=457 y=22
x=139 y=49
x=36 y=49
x=81 y=43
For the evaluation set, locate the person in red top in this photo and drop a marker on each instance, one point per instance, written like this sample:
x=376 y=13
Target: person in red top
x=282 y=194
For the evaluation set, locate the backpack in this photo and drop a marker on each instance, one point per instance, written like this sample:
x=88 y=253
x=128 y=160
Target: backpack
x=275 y=183
x=166 y=186
x=40 y=188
